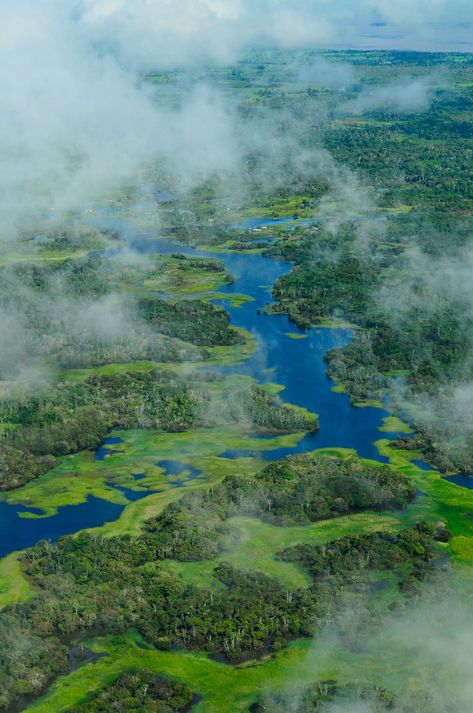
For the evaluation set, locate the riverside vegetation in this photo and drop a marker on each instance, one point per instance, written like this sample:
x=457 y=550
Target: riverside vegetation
x=210 y=598
x=107 y=586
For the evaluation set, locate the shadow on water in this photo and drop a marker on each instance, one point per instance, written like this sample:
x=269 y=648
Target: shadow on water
x=234 y=453
x=290 y=222
x=254 y=223
x=422 y=465
x=80 y=656
x=421 y=494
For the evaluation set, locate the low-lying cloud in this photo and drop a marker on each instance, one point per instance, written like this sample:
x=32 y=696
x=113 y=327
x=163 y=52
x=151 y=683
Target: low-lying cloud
x=75 y=123
x=421 y=654
x=77 y=120
x=406 y=97
x=162 y=32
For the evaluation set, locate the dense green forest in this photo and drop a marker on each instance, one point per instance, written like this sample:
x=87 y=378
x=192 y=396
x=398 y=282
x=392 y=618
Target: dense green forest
x=192 y=321
x=139 y=691
x=90 y=584
x=203 y=584
x=82 y=313
x=77 y=416
x=428 y=344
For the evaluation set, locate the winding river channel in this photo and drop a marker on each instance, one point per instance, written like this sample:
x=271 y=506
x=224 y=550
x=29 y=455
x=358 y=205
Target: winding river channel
x=296 y=363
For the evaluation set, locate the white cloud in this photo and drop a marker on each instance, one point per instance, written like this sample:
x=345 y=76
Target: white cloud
x=167 y=32
x=409 y=96
x=74 y=120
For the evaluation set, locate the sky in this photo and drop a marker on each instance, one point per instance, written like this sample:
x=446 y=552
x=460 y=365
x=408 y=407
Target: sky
x=75 y=119
x=167 y=29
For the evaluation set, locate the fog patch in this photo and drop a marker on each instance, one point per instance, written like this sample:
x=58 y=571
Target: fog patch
x=411 y=96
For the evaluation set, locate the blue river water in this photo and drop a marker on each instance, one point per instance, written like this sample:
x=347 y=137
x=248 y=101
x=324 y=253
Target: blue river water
x=298 y=364
x=17 y=532
x=462 y=480
x=104 y=451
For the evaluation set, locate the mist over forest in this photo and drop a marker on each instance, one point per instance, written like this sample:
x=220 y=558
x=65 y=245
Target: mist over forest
x=236 y=356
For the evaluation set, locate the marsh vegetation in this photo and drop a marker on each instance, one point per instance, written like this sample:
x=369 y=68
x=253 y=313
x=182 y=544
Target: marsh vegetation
x=229 y=564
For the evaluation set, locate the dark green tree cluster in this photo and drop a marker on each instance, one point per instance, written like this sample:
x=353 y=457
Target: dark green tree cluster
x=29 y=660
x=434 y=352
x=75 y=416
x=89 y=352
x=311 y=487
x=380 y=550
x=332 y=288
x=47 y=301
x=93 y=585
x=295 y=491
x=432 y=348
x=140 y=691
x=427 y=346
x=89 y=584
x=252 y=405
x=192 y=321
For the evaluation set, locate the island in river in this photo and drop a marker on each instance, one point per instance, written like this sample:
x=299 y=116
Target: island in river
x=201 y=500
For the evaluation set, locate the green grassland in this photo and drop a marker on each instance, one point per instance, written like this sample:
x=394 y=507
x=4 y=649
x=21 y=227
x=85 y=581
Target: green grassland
x=217 y=356
x=253 y=544
x=181 y=277
x=446 y=501
x=224 y=688
x=14 y=586
x=295 y=335
x=250 y=543
x=393 y=424
x=278 y=207
x=30 y=252
x=81 y=475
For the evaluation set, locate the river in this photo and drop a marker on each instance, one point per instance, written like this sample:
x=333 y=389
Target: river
x=298 y=364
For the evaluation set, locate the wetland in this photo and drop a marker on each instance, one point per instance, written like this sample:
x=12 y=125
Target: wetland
x=235 y=441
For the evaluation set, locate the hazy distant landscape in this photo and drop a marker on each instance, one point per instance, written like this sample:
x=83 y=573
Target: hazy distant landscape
x=236 y=357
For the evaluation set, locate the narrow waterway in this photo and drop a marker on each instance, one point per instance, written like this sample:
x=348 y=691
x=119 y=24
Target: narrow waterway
x=296 y=363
